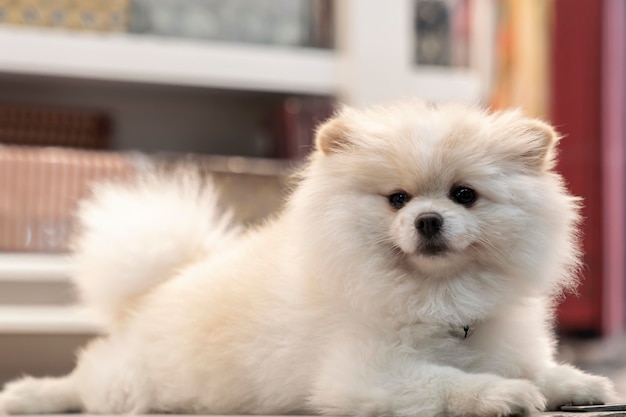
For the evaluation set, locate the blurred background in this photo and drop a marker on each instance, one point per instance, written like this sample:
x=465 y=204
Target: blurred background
x=103 y=89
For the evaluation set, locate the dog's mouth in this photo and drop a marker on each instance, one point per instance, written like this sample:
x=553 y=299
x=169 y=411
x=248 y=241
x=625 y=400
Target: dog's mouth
x=432 y=249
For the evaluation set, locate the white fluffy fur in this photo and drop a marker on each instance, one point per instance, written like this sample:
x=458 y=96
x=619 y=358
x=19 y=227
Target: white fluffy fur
x=330 y=307
x=140 y=234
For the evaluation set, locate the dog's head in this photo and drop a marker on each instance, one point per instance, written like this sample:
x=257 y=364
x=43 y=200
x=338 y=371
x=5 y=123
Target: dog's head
x=444 y=189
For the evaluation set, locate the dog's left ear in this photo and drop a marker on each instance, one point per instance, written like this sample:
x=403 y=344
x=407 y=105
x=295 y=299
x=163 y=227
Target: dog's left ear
x=538 y=144
x=334 y=135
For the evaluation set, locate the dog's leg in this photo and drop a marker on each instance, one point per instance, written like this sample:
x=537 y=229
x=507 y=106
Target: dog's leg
x=398 y=383
x=566 y=385
x=105 y=381
x=40 y=395
x=522 y=340
x=109 y=380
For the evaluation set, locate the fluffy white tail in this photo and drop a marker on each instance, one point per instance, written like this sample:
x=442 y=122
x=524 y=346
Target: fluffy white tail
x=134 y=236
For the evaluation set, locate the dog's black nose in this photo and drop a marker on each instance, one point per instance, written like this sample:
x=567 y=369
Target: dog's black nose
x=429 y=224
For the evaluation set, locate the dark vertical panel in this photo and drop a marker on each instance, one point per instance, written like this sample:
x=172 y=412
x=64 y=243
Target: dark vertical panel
x=576 y=107
x=613 y=163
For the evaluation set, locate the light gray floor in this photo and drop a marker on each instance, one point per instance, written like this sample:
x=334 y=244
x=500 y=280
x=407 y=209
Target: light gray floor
x=555 y=414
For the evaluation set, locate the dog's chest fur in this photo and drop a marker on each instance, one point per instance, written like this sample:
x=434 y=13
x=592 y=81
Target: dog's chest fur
x=446 y=344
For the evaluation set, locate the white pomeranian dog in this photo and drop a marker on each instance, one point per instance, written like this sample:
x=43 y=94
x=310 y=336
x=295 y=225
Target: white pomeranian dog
x=412 y=272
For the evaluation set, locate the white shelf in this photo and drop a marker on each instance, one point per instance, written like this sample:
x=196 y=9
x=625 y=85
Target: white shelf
x=40 y=319
x=34 y=268
x=448 y=84
x=169 y=61
x=46 y=320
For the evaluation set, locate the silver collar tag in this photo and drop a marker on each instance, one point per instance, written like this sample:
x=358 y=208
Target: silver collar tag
x=461 y=332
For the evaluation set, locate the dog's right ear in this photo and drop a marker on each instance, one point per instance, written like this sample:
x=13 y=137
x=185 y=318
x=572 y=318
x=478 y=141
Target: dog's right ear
x=333 y=135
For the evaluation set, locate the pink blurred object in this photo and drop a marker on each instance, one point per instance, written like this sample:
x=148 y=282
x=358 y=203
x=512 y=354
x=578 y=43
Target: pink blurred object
x=40 y=189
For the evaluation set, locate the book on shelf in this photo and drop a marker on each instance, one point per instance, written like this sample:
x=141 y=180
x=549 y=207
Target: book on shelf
x=292 y=125
x=22 y=124
x=442 y=32
x=276 y=22
x=90 y=15
x=40 y=190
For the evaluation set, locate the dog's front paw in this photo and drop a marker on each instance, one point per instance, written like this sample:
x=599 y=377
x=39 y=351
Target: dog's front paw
x=566 y=385
x=491 y=396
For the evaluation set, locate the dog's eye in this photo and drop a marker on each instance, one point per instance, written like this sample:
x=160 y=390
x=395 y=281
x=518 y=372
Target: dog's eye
x=463 y=195
x=398 y=200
